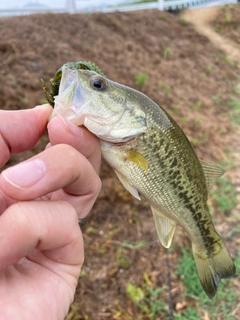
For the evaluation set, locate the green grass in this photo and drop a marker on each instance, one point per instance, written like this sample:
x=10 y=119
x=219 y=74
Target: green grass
x=202 y=137
x=141 y=79
x=122 y=259
x=160 y=85
x=197 y=105
x=183 y=22
x=135 y=293
x=220 y=307
x=23 y=99
x=225 y=195
x=216 y=99
x=235 y=117
x=235 y=113
x=226 y=59
x=228 y=18
x=167 y=53
x=147 y=299
x=235 y=231
x=189 y=314
x=43 y=101
x=234 y=104
x=209 y=69
x=198 y=121
x=175 y=109
x=228 y=163
x=162 y=16
x=167 y=90
x=194 y=142
x=237 y=263
x=235 y=90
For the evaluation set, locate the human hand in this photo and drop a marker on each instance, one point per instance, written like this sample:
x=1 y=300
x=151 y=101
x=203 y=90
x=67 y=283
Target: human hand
x=41 y=246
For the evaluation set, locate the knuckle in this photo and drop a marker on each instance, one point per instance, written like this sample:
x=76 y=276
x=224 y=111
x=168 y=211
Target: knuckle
x=98 y=185
x=69 y=208
x=66 y=149
x=95 y=186
x=17 y=213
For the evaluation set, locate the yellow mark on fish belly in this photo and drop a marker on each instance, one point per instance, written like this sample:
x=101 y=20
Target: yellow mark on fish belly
x=138 y=159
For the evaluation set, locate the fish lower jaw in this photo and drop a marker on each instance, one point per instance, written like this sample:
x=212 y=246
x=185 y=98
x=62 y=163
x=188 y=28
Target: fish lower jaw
x=119 y=143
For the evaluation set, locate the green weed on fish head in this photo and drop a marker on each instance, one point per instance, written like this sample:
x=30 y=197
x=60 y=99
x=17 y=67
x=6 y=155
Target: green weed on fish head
x=55 y=81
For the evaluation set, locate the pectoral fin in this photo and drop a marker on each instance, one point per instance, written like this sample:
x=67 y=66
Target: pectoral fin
x=138 y=159
x=165 y=227
x=212 y=173
x=127 y=185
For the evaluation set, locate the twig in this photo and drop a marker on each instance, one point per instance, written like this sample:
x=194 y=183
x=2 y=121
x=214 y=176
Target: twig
x=170 y=298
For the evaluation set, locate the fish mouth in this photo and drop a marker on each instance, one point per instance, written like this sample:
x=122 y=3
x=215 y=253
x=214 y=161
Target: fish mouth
x=79 y=121
x=125 y=141
x=82 y=121
x=68 y=114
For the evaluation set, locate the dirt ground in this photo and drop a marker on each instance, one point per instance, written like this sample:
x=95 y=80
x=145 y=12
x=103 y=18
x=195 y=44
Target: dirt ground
x=220 y=26
x=189 y=74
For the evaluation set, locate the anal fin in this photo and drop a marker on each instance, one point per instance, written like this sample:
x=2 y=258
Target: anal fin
x=165 y=227
x=127 y=185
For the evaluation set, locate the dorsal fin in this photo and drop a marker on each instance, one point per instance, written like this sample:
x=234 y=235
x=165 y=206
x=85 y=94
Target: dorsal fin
x=165 y=227
x=212 y=173
x=127 y=185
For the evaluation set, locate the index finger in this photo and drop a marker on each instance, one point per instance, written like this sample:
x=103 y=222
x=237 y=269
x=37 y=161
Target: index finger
x=20 y=130
x=60 y=171
x=61 y=130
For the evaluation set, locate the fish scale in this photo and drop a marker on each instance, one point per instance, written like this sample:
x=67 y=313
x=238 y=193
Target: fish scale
x=152 y=156
x=152 y=184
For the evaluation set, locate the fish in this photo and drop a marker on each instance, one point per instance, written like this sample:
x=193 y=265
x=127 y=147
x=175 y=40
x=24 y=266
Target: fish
x=154 y=159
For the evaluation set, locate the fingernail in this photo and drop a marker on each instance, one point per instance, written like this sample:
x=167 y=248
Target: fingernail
x=70 y=127
x=49 y=145
x=42 y=106
x=26 y=174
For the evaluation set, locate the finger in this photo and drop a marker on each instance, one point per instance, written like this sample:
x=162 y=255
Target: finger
x=50 y=226
x=59 y=167
x=20 y=130
x=61 y=130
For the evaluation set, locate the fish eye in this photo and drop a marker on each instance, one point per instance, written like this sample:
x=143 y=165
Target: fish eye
x=98 y=83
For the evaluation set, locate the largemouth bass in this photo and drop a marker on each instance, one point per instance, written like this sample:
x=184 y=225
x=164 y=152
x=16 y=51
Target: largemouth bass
x=151 y=156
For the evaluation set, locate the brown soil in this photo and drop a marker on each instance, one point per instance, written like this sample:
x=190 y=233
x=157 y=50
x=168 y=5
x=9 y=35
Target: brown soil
x=187 y=74
x=225 y=21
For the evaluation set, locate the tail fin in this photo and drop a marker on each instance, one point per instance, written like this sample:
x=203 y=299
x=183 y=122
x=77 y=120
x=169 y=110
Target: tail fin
x=214 y=266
